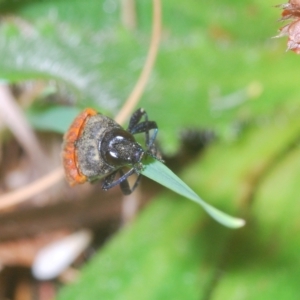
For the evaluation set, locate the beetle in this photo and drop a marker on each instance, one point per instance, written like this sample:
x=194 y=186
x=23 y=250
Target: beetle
x=96 y=147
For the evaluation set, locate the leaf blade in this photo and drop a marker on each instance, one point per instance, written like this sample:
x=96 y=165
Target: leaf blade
x=158 y=172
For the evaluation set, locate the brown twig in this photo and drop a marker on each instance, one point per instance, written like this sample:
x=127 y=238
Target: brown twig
x=14 y=119
x=9 y=199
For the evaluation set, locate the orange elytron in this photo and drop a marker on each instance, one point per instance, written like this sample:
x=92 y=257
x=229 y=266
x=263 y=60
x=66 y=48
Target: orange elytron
x=69 y=154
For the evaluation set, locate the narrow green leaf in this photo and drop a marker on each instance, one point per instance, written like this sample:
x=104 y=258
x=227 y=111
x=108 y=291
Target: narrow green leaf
x=158 y=172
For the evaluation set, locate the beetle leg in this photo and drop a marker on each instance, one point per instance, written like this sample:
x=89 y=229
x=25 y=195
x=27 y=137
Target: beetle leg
x=143 y=127
x=125 y=184
x=135 y=119
x=146 y=126
x=109 y=182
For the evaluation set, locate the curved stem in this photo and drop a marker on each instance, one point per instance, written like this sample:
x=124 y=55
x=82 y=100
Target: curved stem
x=139 y=88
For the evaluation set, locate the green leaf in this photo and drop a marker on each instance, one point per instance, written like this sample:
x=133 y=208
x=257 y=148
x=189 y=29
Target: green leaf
x=158 y=172
x=57 y=119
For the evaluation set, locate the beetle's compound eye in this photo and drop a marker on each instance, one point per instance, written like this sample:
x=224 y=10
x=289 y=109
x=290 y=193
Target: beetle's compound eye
x=119 y=148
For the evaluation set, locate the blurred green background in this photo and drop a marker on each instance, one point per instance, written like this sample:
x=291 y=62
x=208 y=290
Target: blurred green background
x=217 y=68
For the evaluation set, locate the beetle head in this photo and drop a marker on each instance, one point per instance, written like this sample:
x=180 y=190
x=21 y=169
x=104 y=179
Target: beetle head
x=119 y=148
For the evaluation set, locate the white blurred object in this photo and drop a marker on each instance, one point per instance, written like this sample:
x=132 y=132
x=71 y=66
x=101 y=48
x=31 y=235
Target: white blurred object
x=54 y=258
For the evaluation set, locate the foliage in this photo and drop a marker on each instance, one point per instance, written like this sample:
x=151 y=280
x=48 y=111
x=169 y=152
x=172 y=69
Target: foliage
x=217 y=67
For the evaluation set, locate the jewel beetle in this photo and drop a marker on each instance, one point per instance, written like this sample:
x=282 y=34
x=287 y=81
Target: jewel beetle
x=96 y=147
